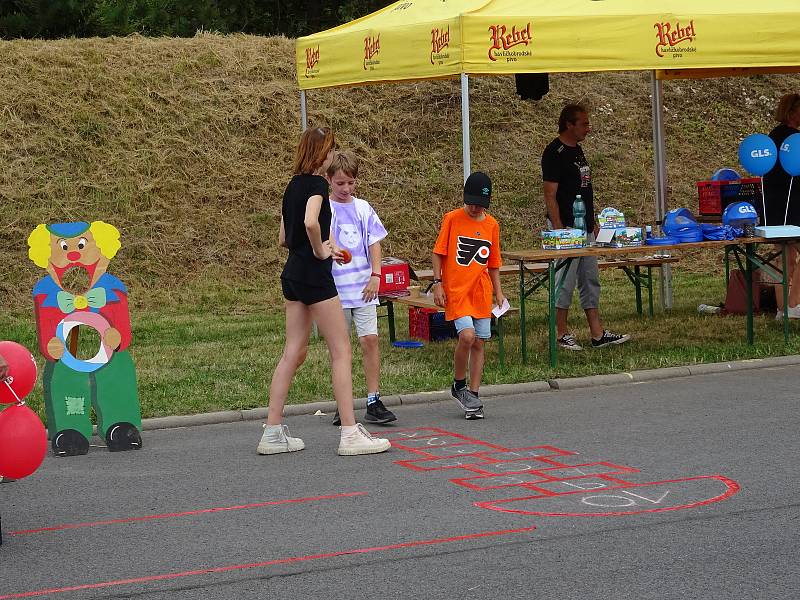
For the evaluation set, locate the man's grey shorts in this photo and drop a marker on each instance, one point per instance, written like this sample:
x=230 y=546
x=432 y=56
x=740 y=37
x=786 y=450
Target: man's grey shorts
x=365 y=318
x=585 y=273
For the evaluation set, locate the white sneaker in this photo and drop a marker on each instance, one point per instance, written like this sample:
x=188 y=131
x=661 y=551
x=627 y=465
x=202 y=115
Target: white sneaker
x=276 y=439
x=361 y=442
x=794 y=313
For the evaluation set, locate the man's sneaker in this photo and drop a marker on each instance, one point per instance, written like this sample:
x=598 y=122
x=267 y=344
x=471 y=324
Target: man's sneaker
x=794 y=313
x=466 y=398
x=361 y=442
x=337 y=420
x=378 y=413
x=276 y=439
x=609 y=338
x=471 y=415
x=567 y=341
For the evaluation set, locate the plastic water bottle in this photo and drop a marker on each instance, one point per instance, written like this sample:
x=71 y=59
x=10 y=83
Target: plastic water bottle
x=707 y=309
x=648 y=232
x=579 y=212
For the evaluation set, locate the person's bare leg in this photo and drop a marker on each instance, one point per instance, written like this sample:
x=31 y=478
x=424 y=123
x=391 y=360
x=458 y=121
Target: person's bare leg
x=595 y=326
x=372 y=361
x=476 y=360
x=794 y=277
x=330 y=320
x=561 y=321
x=461 y=357
x=298 y=328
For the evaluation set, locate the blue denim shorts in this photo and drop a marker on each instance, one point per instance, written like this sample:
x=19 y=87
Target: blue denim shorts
x=482 y=327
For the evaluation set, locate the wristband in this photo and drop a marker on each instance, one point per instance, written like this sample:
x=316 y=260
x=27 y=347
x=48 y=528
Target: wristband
x=378 y=275
x=435 y=281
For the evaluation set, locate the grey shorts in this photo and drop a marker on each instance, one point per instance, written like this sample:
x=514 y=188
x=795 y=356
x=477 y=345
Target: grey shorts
x=584 y=273
x=365 y=319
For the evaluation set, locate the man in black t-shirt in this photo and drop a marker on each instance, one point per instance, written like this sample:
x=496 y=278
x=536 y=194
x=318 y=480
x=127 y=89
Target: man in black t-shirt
x=566 y=174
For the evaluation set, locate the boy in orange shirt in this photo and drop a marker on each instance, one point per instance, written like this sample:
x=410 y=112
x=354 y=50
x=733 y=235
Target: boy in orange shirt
x=466 y=271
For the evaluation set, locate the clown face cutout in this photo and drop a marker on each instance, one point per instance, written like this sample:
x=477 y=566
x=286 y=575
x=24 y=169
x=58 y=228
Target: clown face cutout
x=62 y=247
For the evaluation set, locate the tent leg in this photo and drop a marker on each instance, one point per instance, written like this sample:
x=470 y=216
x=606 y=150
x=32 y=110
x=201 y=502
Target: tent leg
x=303 y=111
x=465 y=125
x=659 y=154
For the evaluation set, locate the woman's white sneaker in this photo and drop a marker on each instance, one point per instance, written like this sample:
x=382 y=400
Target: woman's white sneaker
x=276 y=439
x=360 y=441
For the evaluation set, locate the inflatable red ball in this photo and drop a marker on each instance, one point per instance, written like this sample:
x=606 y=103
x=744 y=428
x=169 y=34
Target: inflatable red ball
x=23 y=441
x=21 y=372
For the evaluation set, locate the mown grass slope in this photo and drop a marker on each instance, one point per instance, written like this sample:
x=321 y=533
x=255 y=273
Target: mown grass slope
x=186 y=146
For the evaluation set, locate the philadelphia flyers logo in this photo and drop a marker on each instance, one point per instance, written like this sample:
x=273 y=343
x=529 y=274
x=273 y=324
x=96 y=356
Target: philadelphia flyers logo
x=470 y=249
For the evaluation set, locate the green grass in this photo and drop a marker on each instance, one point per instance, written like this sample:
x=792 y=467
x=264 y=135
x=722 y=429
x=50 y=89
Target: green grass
x=208 y=360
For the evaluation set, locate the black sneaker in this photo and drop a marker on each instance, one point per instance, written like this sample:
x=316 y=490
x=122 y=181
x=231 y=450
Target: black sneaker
x=471 y=415
x=336 y=419
x=378 y=413
x=466 y=398
x=610 y=338
x=567 y=341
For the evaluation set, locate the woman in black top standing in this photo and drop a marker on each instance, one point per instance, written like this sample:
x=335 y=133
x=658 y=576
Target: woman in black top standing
x=781 y=207
x=311 y=296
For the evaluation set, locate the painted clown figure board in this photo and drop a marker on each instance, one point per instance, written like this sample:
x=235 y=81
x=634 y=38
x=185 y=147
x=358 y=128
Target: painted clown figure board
x=106 y=381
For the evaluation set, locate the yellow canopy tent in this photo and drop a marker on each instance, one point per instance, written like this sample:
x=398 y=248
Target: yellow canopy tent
x=417 y=39
x=423 y=39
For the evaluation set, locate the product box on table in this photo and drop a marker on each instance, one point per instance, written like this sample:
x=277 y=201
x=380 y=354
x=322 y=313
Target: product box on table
x=611 y=218
x=563 y=239
x=627 y=237
x=429 y=324
x=394 y=275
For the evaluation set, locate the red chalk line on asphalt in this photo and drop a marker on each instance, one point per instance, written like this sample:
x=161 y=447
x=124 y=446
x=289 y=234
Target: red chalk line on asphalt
x=267 y=563
x=186 y=513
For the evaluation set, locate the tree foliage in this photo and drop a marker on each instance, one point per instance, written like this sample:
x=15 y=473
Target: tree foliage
x=51 y=19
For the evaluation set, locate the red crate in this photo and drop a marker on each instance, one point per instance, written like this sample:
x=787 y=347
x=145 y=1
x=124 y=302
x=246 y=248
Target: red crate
x=429 y=324
x=716 y=195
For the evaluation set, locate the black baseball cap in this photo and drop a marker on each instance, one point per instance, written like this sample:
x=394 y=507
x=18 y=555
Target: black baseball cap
x=478 y=189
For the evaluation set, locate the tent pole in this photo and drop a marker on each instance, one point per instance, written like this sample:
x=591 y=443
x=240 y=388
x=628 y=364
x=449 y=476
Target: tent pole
x=303 y=111
x=465 y=125
x=659 y=154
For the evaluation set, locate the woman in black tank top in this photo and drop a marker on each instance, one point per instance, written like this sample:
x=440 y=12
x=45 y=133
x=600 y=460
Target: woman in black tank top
x=311 y=297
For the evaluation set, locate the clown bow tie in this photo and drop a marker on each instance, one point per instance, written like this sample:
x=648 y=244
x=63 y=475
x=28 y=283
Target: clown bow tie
x=95 y=298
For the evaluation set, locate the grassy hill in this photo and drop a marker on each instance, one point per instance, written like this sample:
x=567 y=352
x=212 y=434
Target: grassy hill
x=186 y=146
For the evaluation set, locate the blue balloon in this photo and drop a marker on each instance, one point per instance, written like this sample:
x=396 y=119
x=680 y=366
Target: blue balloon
x=789 y=154
x=758 y=154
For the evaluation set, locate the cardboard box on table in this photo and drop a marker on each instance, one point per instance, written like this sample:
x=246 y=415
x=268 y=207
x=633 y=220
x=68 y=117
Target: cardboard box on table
x=394 y=275
x=563 y=239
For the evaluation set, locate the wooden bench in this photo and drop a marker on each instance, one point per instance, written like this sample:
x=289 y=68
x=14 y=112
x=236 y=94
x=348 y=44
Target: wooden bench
x=632 y=267
x=425 y=301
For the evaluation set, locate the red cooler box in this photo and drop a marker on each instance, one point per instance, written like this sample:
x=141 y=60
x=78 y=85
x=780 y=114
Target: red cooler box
x=394 y=275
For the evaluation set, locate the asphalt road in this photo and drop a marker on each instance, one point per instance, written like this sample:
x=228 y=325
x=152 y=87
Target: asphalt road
x=681 y=488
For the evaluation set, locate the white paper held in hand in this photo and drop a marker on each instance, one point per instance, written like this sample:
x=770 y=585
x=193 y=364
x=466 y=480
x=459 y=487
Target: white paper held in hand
x=499 y=311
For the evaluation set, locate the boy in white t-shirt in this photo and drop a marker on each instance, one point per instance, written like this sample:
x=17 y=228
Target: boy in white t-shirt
x=355 y=227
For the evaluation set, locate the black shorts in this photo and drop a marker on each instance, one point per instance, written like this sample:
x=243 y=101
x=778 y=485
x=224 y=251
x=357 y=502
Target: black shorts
x=307 y=294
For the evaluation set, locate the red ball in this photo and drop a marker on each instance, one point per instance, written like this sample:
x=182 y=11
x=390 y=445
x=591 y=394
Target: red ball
x=23 y=442
x=346 y=256
x=21 y=372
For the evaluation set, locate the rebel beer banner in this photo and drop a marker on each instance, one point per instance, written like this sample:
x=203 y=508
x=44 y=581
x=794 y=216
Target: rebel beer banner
x=423 y=39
